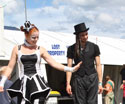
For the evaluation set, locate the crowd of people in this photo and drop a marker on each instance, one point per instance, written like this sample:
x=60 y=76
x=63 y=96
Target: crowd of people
x=31 y=88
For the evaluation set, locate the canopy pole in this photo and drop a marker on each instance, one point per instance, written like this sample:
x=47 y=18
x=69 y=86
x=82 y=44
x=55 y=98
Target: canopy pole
x=25 y=11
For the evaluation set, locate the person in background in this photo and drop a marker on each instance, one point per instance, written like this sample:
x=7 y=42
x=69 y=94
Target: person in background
x=122 y=72
x=108 y=88
x=87 y=81
x=30 y=87
x=123 y=88
x=123 y=82
x=4 y=98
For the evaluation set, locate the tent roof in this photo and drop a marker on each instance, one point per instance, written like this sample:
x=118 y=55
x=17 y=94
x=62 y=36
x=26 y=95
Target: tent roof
x=112 y=49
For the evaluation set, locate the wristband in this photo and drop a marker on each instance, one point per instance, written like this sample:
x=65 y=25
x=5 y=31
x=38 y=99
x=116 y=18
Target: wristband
x=100 y=83
x=69 y=69
x=3 y=80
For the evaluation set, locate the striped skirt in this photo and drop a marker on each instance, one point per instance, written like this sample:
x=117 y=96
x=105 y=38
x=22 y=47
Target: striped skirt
x=29 y=88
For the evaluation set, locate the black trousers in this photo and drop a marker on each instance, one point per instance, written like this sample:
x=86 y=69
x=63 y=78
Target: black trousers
x=86 y=89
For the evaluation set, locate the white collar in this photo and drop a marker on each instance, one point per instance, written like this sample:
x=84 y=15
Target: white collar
x=27 y=44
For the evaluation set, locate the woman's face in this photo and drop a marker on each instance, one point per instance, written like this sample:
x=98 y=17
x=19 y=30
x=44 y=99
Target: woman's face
x=33 y=38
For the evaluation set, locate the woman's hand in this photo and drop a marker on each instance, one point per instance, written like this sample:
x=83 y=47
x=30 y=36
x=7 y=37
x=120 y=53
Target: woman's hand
x=72 y=69
x=76 y=67
x=1 y=89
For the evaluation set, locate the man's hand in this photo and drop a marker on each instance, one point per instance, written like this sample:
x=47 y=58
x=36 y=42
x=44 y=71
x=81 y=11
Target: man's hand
x=69 y=89
x=100 y=90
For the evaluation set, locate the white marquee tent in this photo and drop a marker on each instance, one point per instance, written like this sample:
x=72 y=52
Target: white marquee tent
x=112 y=49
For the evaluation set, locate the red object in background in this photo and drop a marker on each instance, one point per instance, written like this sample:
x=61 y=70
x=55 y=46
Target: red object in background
x=123 y=90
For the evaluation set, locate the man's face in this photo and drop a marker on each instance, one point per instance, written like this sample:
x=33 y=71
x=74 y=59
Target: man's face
x=83 y=36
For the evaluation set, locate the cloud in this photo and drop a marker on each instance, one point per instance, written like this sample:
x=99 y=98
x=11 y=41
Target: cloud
x=123 y=37
x=75 y=2
x=107 y=19
x=12 y=6
x=103 y=17
x=47 y=18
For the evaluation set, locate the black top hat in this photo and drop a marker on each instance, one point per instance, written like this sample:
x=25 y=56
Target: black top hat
x=80 y=28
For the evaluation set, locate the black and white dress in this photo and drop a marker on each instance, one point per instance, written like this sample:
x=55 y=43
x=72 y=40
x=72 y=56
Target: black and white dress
x=31 y=84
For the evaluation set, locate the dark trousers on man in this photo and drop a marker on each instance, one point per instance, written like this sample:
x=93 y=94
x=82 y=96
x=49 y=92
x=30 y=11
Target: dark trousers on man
x=86 y=89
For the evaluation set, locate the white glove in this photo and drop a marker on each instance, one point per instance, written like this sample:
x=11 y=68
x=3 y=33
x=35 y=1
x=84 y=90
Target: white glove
x=69 y=69
x=3 y=80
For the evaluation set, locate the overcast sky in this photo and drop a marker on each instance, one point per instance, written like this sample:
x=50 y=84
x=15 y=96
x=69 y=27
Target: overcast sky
x=103 y=17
